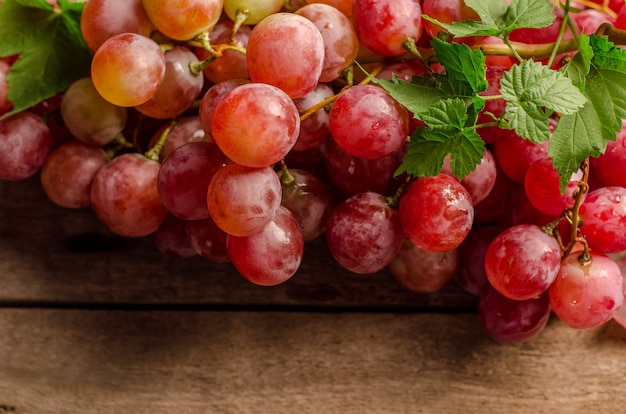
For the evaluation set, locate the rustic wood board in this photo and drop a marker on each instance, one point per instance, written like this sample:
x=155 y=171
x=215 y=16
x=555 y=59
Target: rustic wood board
x=50 y=255
x=76 y=361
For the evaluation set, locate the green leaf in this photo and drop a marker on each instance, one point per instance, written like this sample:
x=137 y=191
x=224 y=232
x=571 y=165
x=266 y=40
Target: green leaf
x=528 y=14
x=578 y=68
x=490 y=12
x=446 y=133
x=606 y=55
x=52 y=50
x=416 y=96
x=465 y=68
x=466 y=28
x=530 y=87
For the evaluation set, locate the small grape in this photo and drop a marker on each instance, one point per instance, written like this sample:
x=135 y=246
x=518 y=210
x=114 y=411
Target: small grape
x=25 y=142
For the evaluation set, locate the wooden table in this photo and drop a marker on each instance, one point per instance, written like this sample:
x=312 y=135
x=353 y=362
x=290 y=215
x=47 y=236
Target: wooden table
x=92 y=323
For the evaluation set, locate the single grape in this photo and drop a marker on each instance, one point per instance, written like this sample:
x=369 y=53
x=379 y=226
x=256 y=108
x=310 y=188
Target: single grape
x=208 y=240
x=89 y=117
x=124 y=196
x=172 y=238
x=499 y=202
x=243 y=200
x=542 y=186
x=186 y=129
x=512 y=321
x=385 y=25
x=255 y=124
x=272 y=256
x=479 y=182
x=179 y=88
x=522 y=262
x=471 y=276
x=184 y=179
x=515 y=155
x=257 y=9
x=287 y=51
x=447 y=11
x=183 y=19
x=422 y=271
x=211 y=98
x=25 y=142
x=128 y=69
x=103 y=19
x=604 y=219
x=366 y=122
x=364 y=233
x=436 y=213
x=587 y=295
x=610 y=167
x=68 y=172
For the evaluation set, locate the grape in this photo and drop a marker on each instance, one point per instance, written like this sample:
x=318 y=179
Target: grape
x=25 y=142
x=587 y=295
x=272 y=256
x=186 y=129
x=128 y=69
x=364 y=233
x=103 y=19
x=88 y=116
x=522 y=262
x=344 y=6
x=354 y=175
x=309 y=199
x=172 y=238
x=315 y=128
x=210 y=100
x=422 y=271
x=68 y=172
x=257 y=9
x=404 y=70
x=255 y=124
x=512 y=321
x=184 y=179
x=243 y=200
x=436 y=213
x=604 y=219
x=515 y=155
x=385 y=25
x=524 y=212
x=589 y=20
x=620 y=20
x=447 y=11
x=5 y=103
x=231 y=64
x=179 y=88
x=479 y=182
x=471 y=276
x=366 y=122
x=499 y=202
x=124 y=196
x=208 y=240
x=287 y=51
x=341 y=44
x=542 y=185
x=610 y=167
x=183 y=19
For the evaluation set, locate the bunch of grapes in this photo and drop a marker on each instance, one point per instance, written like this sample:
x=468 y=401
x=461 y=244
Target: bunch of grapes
x=239 y=130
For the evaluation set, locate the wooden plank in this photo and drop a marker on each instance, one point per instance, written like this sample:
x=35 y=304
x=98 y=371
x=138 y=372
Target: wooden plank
x=51 y=255
x=70 y=361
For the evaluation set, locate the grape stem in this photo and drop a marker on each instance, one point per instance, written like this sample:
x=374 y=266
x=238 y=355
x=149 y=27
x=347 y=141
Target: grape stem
x=153 y=153
x=286 y=178
x=564 y=24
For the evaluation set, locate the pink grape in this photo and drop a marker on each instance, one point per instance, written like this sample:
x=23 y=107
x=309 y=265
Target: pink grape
x=344 y=6
x=257 y=9
x=287 y=51
x=522 y=262
x=25 y=142
x=172 y=238
x=272 y=256
x=422 y=271
x=604 y=219
x=315 y=128
x=124 y=196
x=68 y=172
x=610 y=167
x=436 y=213
x=255 y=124
x=479 y=182
x=366 y=122
x=128 y=69
x=184 y=179
x=512 y=321
x=183 y=19
x=341 y=44
x=587 y=295
x=103 y=19
x=208 y=240
x=384 y=25
x=543 y=189
x=210 y=100
x=471 y=276
x=515 y=155
x=446 y=11
x=243 y=200
x=179 y=88
x=364 y=233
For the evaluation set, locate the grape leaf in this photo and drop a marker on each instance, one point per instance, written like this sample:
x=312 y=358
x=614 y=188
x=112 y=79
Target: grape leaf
x=465 y=68
x=578 y=68
x=528 y=88
x=606 y=55
x=416 y=96
x=499 y=19
x=52 y=50
x=447 y=132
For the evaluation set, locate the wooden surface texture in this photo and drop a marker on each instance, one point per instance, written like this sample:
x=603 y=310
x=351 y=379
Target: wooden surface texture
x=92 y=323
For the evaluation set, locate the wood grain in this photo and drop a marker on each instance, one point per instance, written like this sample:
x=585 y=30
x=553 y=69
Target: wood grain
x=50 y=255
x=67 y=361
